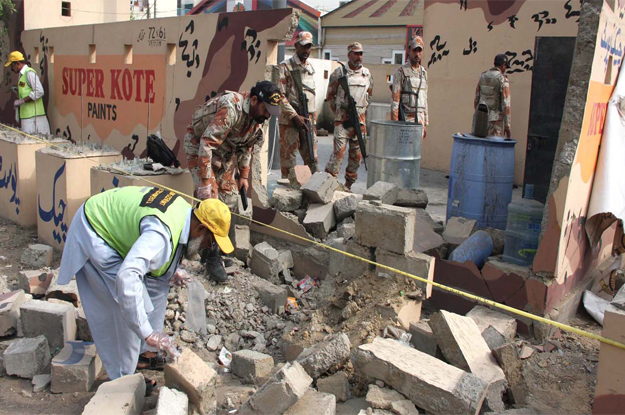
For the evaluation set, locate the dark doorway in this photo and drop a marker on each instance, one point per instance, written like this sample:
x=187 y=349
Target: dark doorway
x=550 y=79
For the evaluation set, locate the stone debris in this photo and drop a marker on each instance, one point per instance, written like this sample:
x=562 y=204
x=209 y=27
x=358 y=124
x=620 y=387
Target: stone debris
x=55 y=321
x=285 y=199
x=458 y=230
x=345 y=265
x=384 y=192
x=75 y=368
x=423 y=338
x=67 y=292
x=83 y=332
x=426 y=239
x=314 y=403
x=271 y=295
x=496 y=328
x=10 y=304
x=387 y=227
x=172 y=402
x=27 y=357
x=37 y=256
x=414 y=263
x=302 y=174
x=320 y=188
x=508 y=358
x=41 y=382
x=265 y=262
x=250 y=363
x=193 y=376
x=122 y=396
x=21 y=281
x=414 y=198
x=345 y=207
x=241 y=242
x=346 y=229
x=320 y=219
x=214 y=342
x=337 y=385
x=424 y=216
x=320 y=358
x=382 y=398
x=405 y=407
x=286 y=259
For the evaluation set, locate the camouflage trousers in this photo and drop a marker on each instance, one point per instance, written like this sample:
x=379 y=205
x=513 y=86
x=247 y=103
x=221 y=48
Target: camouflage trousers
x=290 y=143
x=342 y=136
x=222 y=178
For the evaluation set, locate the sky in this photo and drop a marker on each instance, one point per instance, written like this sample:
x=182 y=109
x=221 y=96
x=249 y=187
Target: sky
x=323 y=6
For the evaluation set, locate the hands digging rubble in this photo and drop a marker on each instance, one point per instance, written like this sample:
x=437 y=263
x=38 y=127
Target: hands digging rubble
x=326 y=333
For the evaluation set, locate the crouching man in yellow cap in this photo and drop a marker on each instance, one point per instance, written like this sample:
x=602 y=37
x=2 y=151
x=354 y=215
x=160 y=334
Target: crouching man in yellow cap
x=29 y=105
x=124 y=246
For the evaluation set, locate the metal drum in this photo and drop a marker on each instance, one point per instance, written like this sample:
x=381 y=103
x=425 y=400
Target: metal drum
x=395 y=153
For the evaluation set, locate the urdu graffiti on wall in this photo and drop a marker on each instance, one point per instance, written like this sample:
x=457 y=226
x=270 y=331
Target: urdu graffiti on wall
x=254 y=46
x=191 y=58
x=59 y=233
x=611 y=44
x=439 y=50
x=10 y=179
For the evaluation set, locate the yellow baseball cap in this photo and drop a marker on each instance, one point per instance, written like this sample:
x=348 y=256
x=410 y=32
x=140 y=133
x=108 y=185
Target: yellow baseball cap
x=215 y=215
x=15 y=56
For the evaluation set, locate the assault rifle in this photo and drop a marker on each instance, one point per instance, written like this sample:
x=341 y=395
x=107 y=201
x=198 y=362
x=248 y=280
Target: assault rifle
x=303 y=105
x=352 y=114
x=242 y=192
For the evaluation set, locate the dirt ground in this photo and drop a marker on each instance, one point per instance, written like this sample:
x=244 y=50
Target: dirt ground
x=561 y=373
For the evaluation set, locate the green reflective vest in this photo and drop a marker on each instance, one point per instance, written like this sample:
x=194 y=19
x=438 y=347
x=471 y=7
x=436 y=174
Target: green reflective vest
x=30 y=109
x=115 y=215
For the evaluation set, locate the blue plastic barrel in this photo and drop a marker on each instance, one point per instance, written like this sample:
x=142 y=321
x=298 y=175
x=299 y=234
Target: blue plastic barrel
x=481 y=175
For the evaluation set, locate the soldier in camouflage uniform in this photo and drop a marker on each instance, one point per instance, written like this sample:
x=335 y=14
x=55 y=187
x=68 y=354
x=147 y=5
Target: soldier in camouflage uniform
x=410 y=88
x=360 y=84
x=493 y=89
x=221 y=136
x=293 y=126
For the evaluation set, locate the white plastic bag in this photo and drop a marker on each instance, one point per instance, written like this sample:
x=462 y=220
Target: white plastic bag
x=196 y=311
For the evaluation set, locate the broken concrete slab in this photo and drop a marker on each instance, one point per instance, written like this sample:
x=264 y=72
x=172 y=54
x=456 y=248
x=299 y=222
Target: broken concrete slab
x=437 y=227
x=21 y=280
x=346 y=230
x=193 y=376
x=414 y=263
x=271 y=295
x=286 y=259
x=38 y=281
x=37 y=256
x=426 y=240
x=383 y=191
x=423 y=338
x=429 y=383
x=75 y=368
x=405 y=407
x=337 y=385
x=302 y=174
x=241 y=242
x=387 y=227
x=285 y=199
x=332 y=352
x=282 y=391
x=68 y=292
x=55 y=321
x=320 y=187
x=41 y=382
x=458 y=230
x=27 y=357
x=314 y=403
x=10 y=304
x=382 y=398
x=347 y=266
x=83 y=332
x=346 y=206
x=265 y=262
x=122 y=396
x=250 y=363
x=320 y=219
x=414 y=198
x=403 y=310
x=172 y=402
x=508 y=358
x=500 y=322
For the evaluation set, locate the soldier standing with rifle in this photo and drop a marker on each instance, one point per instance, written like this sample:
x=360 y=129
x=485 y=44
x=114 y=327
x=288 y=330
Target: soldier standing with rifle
x=349 y=94
x=298 y=116
x=409 y=96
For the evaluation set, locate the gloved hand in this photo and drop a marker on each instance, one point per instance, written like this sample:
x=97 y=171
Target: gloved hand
x=205 y=192
x=18 y=103
x=164 y=342
x=180 y=278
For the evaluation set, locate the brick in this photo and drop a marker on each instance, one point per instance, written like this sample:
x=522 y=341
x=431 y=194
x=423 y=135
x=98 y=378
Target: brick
x=271 y=295
x=347 y=266
x=302 y=174
x=488 y=320
x=458 y=230
x=285 y=199
x=37 y=256
x=414 y=263
x=250 y=363
x=10 y=304
x=193 y=376
x=337 y=385
x=508 y=358
x=387 y=227
x=172 y=402
x=332 y=352
x=382 y=398
x=122 y=396
x=75 y=368
x=314 y=403
x=320 y=187
x=55 y=321
x=414 y=198
x=384 y=192
x=423 y=338
x=346 y=206
x=27 y=357
x=282 y=391
x=265 y=261
x=241 y=242
x=429 y=383
x=320 y=219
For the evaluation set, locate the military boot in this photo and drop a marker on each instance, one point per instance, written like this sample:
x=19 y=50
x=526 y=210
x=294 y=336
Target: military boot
x=214 y=265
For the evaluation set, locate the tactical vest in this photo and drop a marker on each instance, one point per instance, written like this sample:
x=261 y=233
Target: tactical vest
x=413 y=89
x=359 y=83
x=490 y=86
x=308 y=79
x=115 y=215
x=29 y=109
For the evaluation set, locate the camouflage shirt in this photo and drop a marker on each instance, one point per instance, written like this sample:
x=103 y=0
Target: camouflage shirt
x=493 y=89
x=221 y=128
x=290 y=92
x=410 y=89
x=360 y=84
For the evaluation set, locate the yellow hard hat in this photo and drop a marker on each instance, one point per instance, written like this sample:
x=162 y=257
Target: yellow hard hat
x=15 y=56
x=215 y=215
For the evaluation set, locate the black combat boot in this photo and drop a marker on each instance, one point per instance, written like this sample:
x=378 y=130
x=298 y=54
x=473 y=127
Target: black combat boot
x=211 y=259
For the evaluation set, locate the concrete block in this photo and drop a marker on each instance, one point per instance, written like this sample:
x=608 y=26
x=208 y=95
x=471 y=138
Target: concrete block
x=75 y=368
x=241 y=242
x=41 y=281
x=314 y=403
x=332 y=352
x=122 y=396
x=346 y=206
x=282 y=391
x=423 y=338
x=250 y=363
x=41 y=382
x=55 y=321
x=458 y=230
x=388 y=227
x=271 y=295
x=285 y=199
x=382 y=398
x=508 y=358
x=320 y=220
x=320 y=187
x=3 y=346
x=68 y=292
x=346 y=230
x=337 y=385
x=10 y=304
x=429 y=383
x=193 y=376
x=37 y=256
x=384 y=192
x=83 y=332
x=347 y=266
x=414 y=263
x=27 y=357
x=488 y=320
x=437 y=227
x=302 y=174
x=21 y=280
x=405 y=407
x=265 y=262
x=414 y=198
x=426 y=239
x=172 y=402
x=286 y=259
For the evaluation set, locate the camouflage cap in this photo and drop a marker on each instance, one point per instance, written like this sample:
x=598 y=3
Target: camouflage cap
x=304 y=38
x=416 y=42
x=355 y=47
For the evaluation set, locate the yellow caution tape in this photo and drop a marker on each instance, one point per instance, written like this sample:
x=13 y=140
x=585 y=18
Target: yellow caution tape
x=470 y=296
